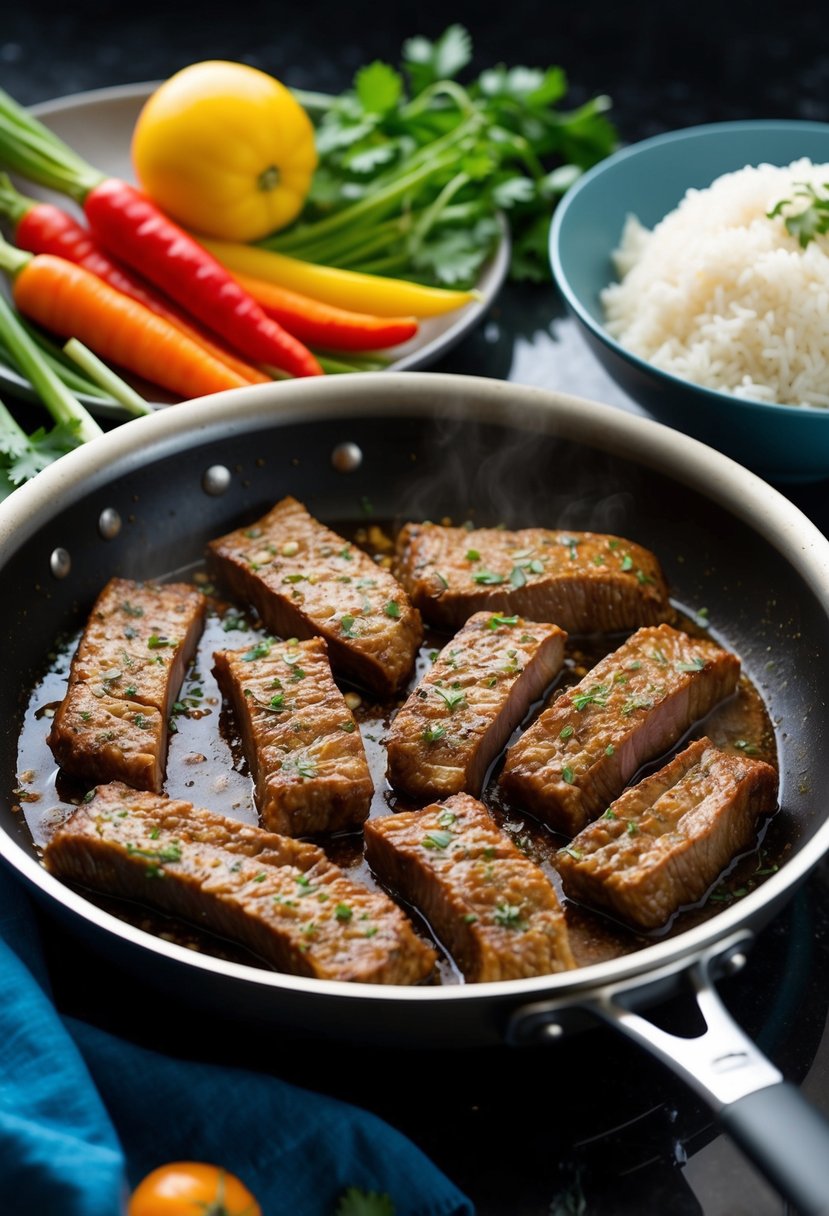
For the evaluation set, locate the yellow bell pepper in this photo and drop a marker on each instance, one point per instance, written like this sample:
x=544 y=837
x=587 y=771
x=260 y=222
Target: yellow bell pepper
x=225 y=150
x=349 y=289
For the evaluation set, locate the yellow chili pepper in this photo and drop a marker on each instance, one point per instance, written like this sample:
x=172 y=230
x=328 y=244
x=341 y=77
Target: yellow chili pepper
x=349 y=289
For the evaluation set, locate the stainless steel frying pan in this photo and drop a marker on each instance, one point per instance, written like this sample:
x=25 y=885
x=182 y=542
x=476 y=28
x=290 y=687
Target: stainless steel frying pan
x=143 y=501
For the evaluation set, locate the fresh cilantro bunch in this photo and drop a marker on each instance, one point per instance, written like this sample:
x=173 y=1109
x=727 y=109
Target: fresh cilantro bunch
x=417 y=169
x=22 y=455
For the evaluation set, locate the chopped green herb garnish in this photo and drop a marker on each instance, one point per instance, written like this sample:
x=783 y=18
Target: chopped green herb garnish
x=293 y=578
x=610 y=750
x=610 y=814
x=437 y=840
x=260 y=877
x=432 y=733
x=805 y=223
x=343 y=912
x=597 y=695
x=392 y=609
x=472 y=555
x=348 y=727
x=132 y=609
x=627 y=562
x=632 y=828
x=566 y=732
x=750 y=749
x=567 y=774
x=495 y=620
x=487 y=578
x=259 y=651
x=347 y=625
x=470 y=918
x=634 y=703
x=453 y=697
x=517 y=577
x=85 y=715
x=508 y=916
x=572 y=852
x=447 y=819
x=696 y=664
x=443 y=582
x=156 y=642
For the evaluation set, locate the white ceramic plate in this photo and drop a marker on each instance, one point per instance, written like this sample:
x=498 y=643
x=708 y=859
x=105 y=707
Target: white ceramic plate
x=99 y=125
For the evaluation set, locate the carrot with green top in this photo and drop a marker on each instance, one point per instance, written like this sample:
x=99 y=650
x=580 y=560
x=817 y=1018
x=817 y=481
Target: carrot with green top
x=70 y=301
x=133 y=228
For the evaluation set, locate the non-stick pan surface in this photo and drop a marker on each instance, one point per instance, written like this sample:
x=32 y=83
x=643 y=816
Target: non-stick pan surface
x=144 y=500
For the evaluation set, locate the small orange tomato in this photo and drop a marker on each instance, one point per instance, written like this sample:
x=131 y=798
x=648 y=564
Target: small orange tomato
x=191 y=1188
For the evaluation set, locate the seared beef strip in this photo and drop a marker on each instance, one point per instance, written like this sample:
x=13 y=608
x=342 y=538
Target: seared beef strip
x=282 y=898
x=630 y=708
x=583 y=581
x=463 y=711
x=665 y=841
x=300 y=738
x=124 y=679
x=492 y=908
x=305 y=580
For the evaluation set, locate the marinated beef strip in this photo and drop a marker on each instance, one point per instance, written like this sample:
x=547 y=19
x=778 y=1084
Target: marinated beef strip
x=123 y=682
x=300 y=739
x=465 y=708
x=666 y=840
x=281 y=898
x=492 y=908
x=583 y=581
x=630 y=708
x=304 y=580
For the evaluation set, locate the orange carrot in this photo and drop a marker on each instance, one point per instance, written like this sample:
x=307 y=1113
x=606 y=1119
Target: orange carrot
x=73 y=303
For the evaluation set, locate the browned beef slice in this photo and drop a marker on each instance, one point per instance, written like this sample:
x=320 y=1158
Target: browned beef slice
x=630 y=708
x=280 y=897
x=583 y=581
x=304 y=580
x=124 y=678
x=465 y=708
x=300 y=738
x=666 y=840
x=494 y=909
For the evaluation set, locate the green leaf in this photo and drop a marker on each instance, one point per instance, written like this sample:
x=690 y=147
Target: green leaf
x=514 y=190
x=366 y=160
x=40 y=449
x=428 y=61
x=379 y=87
x=356 y=1202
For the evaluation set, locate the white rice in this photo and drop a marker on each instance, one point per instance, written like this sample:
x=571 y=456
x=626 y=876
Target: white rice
x=720 y=294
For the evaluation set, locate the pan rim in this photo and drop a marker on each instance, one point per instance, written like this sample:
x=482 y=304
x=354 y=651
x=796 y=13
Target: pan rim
x=430 y=394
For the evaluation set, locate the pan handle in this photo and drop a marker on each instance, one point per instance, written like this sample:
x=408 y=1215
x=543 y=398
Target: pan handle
x=770 y=1120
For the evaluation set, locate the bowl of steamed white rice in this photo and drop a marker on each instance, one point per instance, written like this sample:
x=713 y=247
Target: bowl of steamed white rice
x=698 y=265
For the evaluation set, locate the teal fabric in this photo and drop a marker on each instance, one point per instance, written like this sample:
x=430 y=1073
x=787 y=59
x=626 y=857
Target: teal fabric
x=84 y=1115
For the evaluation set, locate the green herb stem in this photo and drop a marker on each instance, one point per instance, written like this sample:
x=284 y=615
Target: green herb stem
x=60 y=402
x=108 y=380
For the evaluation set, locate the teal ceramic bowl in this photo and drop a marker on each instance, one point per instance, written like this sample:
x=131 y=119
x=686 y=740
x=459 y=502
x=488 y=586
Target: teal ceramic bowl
x=782 y=443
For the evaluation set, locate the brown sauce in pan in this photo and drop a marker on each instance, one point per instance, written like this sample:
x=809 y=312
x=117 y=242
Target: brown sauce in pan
x=205 y=766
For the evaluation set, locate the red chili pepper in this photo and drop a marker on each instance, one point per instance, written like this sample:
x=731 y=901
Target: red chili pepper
x=325 y=326
x=133 y=229
x=131 y=226
x=44 y=228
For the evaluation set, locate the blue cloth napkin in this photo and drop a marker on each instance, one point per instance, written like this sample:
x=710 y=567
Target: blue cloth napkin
x=85 y=1115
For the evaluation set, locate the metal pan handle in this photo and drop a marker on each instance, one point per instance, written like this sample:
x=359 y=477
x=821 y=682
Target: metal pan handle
x=770 y=1120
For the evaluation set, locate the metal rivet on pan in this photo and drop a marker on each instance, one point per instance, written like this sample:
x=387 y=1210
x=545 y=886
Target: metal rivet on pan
x=60 y=563
x=735 y=962
x=109 y=523
x=216 y=479
x=549 y=1032
x=346 y=457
